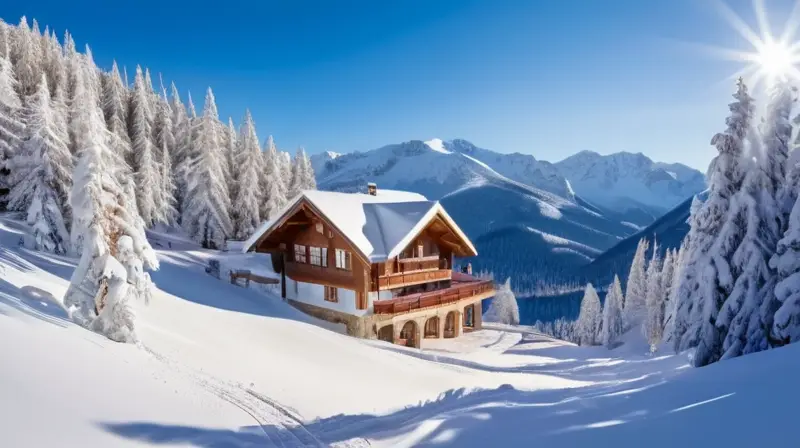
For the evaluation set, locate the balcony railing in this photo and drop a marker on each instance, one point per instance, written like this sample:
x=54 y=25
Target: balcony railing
x=405 y=304
x=313 y=274
x=402 y=279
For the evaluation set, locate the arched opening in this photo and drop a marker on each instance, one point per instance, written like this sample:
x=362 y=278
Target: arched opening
x=450 y=325
x=408 y=334
x=432 y=327
x=386 y=333
x=469 y=317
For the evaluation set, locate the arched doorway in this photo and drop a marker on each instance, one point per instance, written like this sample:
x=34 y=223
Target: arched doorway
x=386 y=333
x=408 y=334
x=432 y=327
x=450 y=325
x=469 y=317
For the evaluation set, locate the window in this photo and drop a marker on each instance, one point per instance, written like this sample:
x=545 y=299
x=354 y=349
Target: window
x=361 y=302
x=319 y=227
x=342 y=259
x=324 y=257
x=331 y=294
x=420 y=250
x=315 y=256
x=299 y=253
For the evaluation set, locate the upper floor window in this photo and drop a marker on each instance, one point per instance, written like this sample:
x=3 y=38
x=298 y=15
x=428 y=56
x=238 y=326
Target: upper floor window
x=318 y=256
x=342 y=259
x=319 y=227
x=299 y=253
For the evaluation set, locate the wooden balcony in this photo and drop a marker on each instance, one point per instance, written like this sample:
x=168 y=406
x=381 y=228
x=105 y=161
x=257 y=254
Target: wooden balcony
x=456 y=293
x=310 y=273
x=403 y=279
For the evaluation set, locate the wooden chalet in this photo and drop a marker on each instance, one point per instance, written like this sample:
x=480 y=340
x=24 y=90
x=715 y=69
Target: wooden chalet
x=381 y=263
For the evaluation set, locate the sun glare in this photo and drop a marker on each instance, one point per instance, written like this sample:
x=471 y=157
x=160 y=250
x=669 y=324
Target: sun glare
x=775 y=60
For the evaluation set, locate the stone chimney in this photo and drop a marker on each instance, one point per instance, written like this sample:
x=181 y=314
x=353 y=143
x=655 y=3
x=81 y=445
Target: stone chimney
x=372 y=189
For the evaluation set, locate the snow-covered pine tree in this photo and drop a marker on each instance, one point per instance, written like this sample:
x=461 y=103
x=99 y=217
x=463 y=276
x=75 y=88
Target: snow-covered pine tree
x=25 y=54
x=205 y=215
x=232 y=148
x=590 y=321
x=310 y=182
x=613 y=324
x=654 y=322
x=786 y=261
x=285 y=161
x=299 y=176
x=687 y=283
x=41 y=174
x=274 y=193
x=145 y=164
x=672 y=295
x=11 y=125
x=634 y=307
x=167 y=212
x=667 y=276
x=115 y=109
x=745 y=318
x=504 y=308
x=249 y=163
x=111 y=270
x=183 y=141
x=716 y=233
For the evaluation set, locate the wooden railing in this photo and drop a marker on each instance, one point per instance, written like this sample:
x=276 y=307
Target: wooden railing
x=412 y=278
x=405 y=304
x=421 y=264
x=305 y=272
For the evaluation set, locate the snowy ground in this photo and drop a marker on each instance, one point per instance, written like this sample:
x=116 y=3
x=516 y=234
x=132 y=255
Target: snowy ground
x=220 y=365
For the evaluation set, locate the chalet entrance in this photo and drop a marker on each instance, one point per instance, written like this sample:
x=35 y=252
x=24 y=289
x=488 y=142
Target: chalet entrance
x=432 y=327
x=450 y=325
x=408 y=334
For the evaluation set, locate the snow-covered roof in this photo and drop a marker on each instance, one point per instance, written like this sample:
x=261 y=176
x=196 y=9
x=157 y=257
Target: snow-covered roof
x=379 y=226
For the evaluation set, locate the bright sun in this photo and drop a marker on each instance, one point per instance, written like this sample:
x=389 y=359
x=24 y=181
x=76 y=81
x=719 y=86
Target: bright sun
x=773 y=58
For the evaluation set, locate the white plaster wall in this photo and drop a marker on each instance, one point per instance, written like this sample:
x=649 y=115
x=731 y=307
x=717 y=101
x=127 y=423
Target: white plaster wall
x=314 y=294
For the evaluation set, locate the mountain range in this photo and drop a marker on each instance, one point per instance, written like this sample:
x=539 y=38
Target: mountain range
x=530 y=219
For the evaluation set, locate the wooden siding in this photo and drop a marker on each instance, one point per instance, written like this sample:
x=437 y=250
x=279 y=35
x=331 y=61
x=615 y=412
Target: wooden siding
x=300 y=227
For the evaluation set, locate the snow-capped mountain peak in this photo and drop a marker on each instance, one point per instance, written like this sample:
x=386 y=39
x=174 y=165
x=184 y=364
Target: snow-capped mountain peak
x=437 y=145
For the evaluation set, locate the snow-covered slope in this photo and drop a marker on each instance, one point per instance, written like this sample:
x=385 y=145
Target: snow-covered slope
x=624 y=180
x=220 y=365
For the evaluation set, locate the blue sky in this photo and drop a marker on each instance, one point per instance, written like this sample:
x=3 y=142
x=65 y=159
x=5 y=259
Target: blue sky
x=547 y=78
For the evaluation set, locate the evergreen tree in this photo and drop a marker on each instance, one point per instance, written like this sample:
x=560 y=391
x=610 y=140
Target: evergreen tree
x=718 y=232
x=232 y=148
x=274 y=188
x=590 y=320
x=248 y=194
x=613 y=325
x=166 y=213
x=11 y=125
x=115 y=251
x=634 y=305
x=41 y=174
x=115 y=109
x=302 y=177
x=183 y=141
x=786 y=261
x=205 y=216
x=146 y=172
x=25 y=54
x=672 y=296
x=746 y=315
x=654 y=322
x=688 y=281
x=504 y=307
